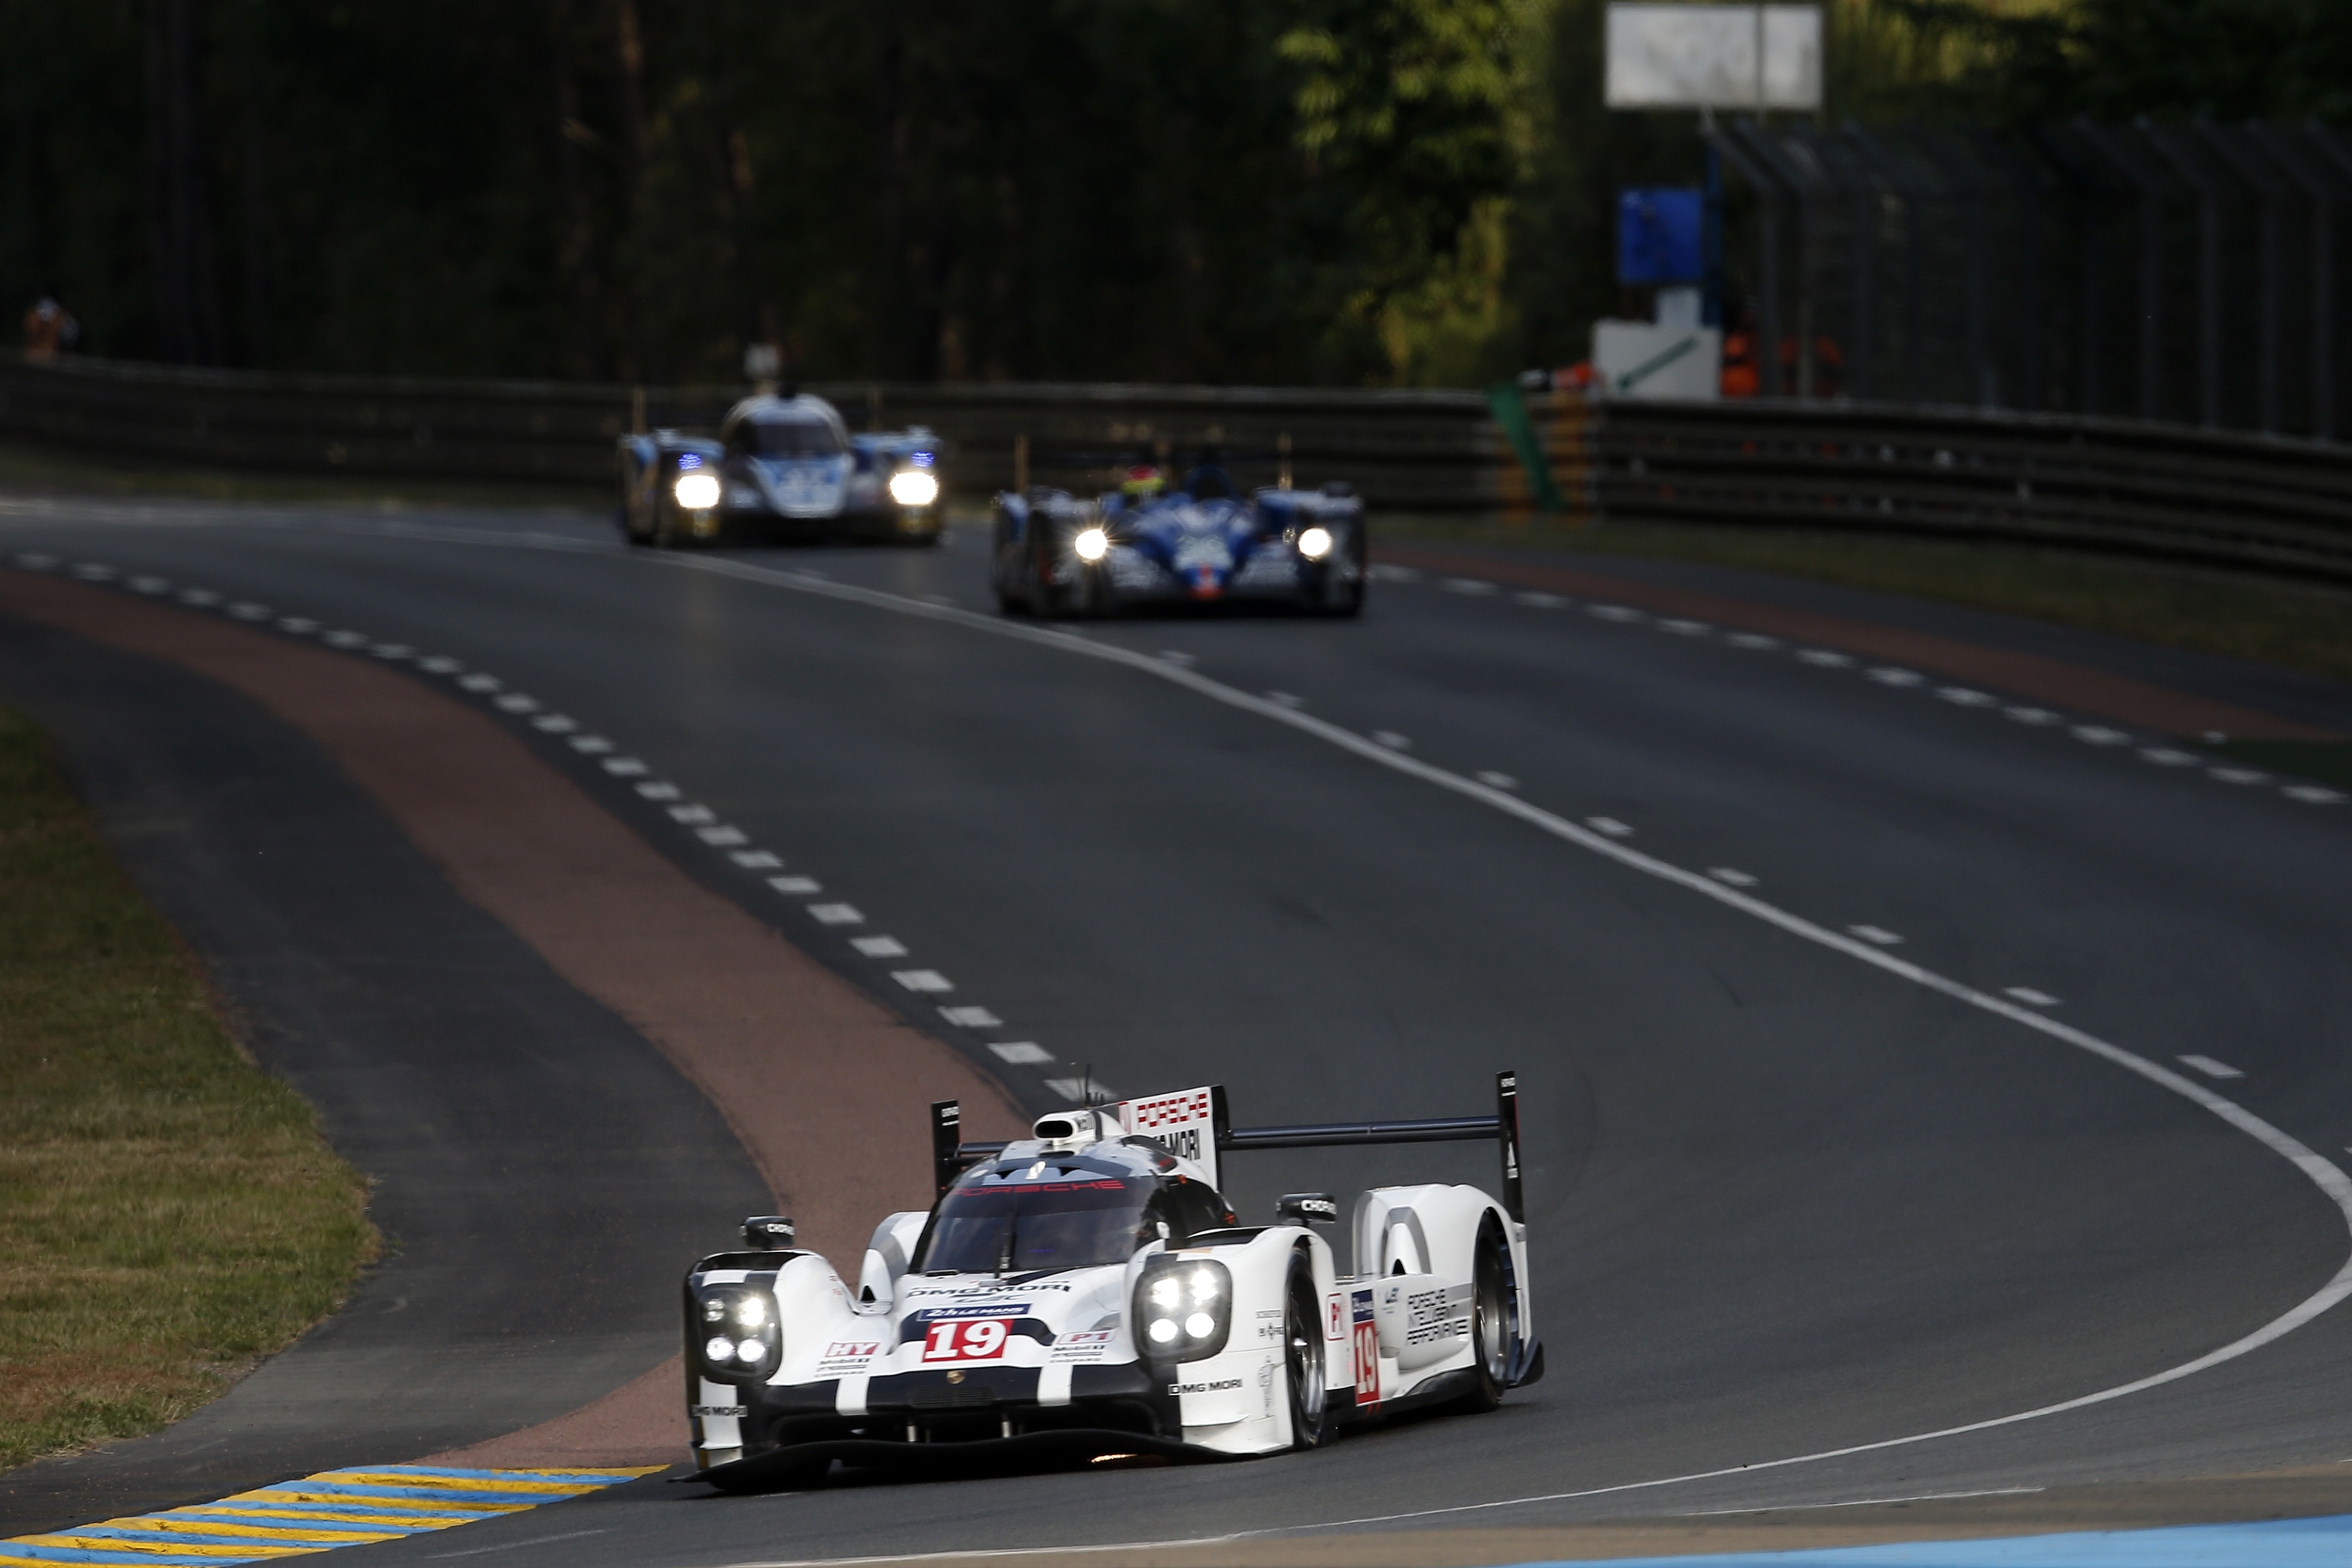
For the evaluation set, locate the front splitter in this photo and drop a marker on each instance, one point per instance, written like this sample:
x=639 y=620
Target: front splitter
x=804 y=1464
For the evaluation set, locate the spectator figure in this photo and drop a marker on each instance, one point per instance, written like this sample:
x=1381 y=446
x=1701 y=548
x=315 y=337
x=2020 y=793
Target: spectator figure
x=49 y=329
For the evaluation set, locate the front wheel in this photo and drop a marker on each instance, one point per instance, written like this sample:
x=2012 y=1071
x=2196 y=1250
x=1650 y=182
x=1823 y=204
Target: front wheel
x=1303 y=1359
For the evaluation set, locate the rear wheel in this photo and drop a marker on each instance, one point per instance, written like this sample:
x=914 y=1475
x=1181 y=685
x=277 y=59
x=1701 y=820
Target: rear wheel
x=1491 y=1322
x=1303 y=1361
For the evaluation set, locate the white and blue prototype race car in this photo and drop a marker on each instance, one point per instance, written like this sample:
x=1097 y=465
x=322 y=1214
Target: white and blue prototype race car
x=781 y=466
x=1201 y=543
x=1086 y=1293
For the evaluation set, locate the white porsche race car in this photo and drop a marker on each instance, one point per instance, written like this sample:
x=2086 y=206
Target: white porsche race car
x=1085 y=1292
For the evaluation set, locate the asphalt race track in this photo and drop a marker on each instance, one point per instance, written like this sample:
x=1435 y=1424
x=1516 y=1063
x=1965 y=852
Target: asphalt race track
x=1849 y=1012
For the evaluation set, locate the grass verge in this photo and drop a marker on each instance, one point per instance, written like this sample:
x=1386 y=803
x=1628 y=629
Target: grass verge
x=168 y=1212
x=2305 y=627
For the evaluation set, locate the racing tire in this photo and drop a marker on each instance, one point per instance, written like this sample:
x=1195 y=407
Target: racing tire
x=1492 y=1321
x=1303 y=1359
x=1038 y=567
x=1347 y=603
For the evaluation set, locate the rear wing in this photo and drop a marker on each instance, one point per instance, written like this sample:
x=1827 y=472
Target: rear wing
x=1180 y=1120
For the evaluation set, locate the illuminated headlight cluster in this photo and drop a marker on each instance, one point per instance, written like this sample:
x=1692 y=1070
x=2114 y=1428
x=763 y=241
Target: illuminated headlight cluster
x=1183 y=1309
x=1092 y=544
x=1315 y=543
x=739 y=1332
x=697 y=490
x=914 y=487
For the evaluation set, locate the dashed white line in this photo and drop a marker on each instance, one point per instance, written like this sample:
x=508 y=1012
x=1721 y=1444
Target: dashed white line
x=149 y=586
x=2210 y=1068
x=1535 y=601
x=721 y=836
x=2314 y=795
x=879 y=946
x=516 y=702
x=595 y=745
x=249 y=611
x=923 y=980
x=390 y=649
x=1023 y=1053
x=1751 y=640
x=1288 y=699
x=658 y=789
x=440 y=664
x=1471 y=586
x=301 y=626
x=1966 y=697
x=1496 y=781
x=795 y=887
x=2099 y=735
x=478 y=681
x=2030 y=996
x=2238 y=775
x=2031 y=715
x=1825 y=657
x=1731 y=876
x=555 y=723
x=91 y=572
x=692 y=814
x=1891 y=674
x=972 y=1017
x=757 y=860
x=338 y=638
x=625 y=767
x=1684 y=628
x=2167 y=757
x=1878 y=934
x=1620 y=613
x=836 y=914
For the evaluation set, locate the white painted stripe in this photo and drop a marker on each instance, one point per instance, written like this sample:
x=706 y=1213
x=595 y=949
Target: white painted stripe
x=1878 y=934
x=2238 y=775
x=595 y=745
x=1610 y=825
x=2314 y=795
x=1854 y=1502
x=1888 y=675
x=299 y=626
x=1964 y=696
x=1288 y=699
x=625 y=767
x=836 y=914
x=972 y=1017
x=2167 y=757
x=478 y=681
x=1732 y=876
x=440 y=664
x=555 y=723
x=1751 y=639
x=722 y=836
x=1470 y=585
x=2031 y=715
x=390 y=649
x=924 y=980
x=1496 y=781
x=1615 y=613
x=1824 y=658
x=791 y=886
x=757 y=860
x=2321 y=1171
x=692 y=814
x=2210 y=1068
x=1391 y=740
x=339 y=640
x=658 y=789
x=246 y=610
x=879 y=946
x=95 y=572
x=34 y=561
x=516 y=702
x=2099 y=735
x=2028 y=995
x=150 y=585
x=1023 y=1053
x=1685 y=628
x=1535 y=601
x=1178 y=657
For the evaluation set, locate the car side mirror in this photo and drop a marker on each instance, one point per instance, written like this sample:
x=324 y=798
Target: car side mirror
x=768 y=1233
x=1307 y=1208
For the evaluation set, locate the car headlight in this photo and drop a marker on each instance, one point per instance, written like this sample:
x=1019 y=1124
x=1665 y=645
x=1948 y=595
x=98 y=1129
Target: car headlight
x=1092 y=544
x=1183 y=1308
x=741 y=1334
x=913 y=487
x=697 y=491
x=1315 y=543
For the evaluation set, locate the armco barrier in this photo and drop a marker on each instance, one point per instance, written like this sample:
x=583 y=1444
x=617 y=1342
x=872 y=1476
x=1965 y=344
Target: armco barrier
x=1421 y=451
x=2250 y=501
x=2273 y=504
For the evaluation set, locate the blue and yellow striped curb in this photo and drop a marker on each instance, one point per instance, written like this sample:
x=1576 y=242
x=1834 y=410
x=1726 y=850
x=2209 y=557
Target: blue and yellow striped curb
x=317 y=1513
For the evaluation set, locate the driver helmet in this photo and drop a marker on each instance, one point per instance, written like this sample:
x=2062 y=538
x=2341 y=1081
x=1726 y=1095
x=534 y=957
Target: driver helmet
x=1142 y=483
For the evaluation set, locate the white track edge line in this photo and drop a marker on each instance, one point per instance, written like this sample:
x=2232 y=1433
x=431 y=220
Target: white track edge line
x=2321 y=1171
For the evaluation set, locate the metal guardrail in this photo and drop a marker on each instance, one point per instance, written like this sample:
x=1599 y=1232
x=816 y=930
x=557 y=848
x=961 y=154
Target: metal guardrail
x=2269 y=503
x=1419 y=450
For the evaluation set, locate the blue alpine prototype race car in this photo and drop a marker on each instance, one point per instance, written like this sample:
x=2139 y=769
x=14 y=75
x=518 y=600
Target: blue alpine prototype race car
x=781 y=467
x=1202 y=544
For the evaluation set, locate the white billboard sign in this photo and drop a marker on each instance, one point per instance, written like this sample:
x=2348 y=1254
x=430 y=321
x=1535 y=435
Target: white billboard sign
x=1715 y=56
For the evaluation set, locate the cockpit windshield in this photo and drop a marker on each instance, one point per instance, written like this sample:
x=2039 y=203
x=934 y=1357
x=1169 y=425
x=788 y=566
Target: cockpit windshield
x=1015 y=1226
x=790 y=438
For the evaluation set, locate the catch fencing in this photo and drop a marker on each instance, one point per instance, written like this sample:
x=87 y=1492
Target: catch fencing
x=2190 y=273
x=2275 y=504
